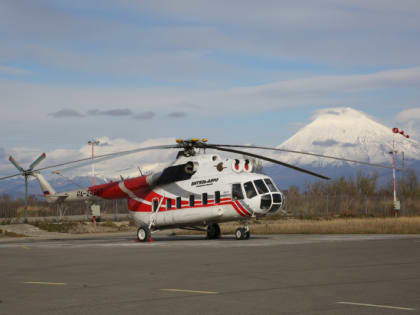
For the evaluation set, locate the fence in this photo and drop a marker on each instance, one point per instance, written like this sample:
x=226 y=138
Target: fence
x=15 y=208
x=302 y=205
x=309 y=205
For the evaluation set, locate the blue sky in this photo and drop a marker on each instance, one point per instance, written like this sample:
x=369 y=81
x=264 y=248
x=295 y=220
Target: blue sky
x=231 y=71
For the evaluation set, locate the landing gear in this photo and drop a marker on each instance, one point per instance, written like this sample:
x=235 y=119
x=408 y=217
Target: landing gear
x=242 y=233
x=143 y=234
x=213 y=231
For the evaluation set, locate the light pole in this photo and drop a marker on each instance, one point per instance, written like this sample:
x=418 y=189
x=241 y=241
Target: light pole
x=92 y=143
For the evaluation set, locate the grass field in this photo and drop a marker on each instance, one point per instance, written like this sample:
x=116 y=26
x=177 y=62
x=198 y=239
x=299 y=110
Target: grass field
x=401 y=225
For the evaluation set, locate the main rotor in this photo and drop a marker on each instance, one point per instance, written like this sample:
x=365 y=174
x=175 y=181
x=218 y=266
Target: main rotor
x=190 y=146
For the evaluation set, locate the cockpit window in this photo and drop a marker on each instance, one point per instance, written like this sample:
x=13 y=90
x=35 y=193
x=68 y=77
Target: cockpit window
x=265 y=202
x=237 y=192
x=270 y=185
x=262 y=189
x=249 y=190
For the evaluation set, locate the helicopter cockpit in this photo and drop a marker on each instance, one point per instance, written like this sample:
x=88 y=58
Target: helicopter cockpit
x=261 y=195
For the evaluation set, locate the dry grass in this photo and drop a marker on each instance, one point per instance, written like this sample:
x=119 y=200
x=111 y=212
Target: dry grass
x=84 y=227
x=4 y=233
x=401 y=225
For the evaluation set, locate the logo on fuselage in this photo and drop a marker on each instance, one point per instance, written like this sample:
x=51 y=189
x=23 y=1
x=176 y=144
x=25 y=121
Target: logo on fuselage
x=204 y=182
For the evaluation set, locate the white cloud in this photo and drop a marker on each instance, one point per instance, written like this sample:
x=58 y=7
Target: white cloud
x=411 y=114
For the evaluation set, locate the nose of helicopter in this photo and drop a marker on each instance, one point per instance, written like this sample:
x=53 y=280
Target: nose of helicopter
x=266 y=203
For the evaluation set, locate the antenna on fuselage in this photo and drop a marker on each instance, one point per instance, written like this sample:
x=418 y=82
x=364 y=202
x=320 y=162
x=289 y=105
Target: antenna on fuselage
x=140 y=170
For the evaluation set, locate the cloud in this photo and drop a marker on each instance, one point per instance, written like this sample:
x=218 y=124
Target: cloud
x=348 y=145
x=319 y=85
x=410 y=114
x=66 y=113
x=177 y=115
x=13 y=70
x=110 y=112
x=144 y=115
x=326 y=143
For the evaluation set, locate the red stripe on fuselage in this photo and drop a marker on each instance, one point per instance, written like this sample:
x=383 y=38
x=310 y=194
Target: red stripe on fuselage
x=242 y=208
x=137 y=206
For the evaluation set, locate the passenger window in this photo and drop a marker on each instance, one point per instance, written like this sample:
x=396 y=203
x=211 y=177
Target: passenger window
x=178 y=202
x=217 y=197
x=168 y=204
x=250 y=190
x=205 y=198
x=262 y=189
x=270 y=185
x=237 y=192
x=155 y=204
x=192 y=199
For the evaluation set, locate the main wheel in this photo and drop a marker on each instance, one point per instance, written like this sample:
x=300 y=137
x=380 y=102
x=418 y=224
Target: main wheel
x=240 y=234
x=247 y=234
x=143 y=234
x=213 y=231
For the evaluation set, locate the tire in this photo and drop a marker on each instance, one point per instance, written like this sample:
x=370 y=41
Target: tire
x=213 y=231
x=143 y=234
x=240 y=234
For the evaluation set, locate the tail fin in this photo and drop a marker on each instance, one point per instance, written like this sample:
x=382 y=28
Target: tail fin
x=46 y=188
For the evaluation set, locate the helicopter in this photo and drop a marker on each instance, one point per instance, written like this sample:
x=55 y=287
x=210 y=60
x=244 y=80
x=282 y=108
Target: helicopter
x=198 y=191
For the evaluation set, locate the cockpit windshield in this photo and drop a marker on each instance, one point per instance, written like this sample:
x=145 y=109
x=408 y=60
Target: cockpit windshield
x=270 y=184
x=262 y=189
x=249 y=190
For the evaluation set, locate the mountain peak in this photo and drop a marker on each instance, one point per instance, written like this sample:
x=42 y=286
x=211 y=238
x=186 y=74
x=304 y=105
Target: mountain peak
x=348 y=133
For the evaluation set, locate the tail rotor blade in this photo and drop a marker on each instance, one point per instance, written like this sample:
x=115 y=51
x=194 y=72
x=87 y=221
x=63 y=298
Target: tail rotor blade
x=37 y=161
x=16 y=164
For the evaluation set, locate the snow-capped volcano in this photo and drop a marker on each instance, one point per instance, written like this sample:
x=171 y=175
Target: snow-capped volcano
x=347 y=133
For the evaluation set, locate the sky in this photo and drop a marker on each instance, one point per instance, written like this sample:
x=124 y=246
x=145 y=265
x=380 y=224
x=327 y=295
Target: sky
x=135 y=72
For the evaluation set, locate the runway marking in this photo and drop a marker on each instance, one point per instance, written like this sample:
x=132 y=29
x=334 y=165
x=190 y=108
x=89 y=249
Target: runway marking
x=45 y=283
x=189 y=291
x=24 y=246
x=379 y=306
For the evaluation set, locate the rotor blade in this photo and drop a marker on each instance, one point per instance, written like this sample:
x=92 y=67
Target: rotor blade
x=302 y=152
x=105 y=157
x=16 y=164
x=267 y=159
x=10 y=176
x=37 y=161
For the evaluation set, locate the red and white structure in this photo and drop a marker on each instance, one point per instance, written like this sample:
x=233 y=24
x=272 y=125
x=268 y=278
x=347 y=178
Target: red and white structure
x=92 y=143
x=396 y=131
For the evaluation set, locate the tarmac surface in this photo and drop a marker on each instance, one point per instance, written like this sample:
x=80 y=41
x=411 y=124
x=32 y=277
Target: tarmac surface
x=269 y=274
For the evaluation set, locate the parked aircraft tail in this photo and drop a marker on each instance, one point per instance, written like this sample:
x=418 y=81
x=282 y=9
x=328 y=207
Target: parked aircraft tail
x=46 y=188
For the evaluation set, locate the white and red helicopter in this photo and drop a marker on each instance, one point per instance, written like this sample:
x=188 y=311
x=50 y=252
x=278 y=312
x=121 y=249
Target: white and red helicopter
x=198 y=190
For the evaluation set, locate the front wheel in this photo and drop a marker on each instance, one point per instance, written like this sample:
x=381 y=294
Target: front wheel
x=143 y=234
x=240 y=234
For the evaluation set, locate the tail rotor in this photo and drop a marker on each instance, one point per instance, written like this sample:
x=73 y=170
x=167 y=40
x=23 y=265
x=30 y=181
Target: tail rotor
x=26 y=173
